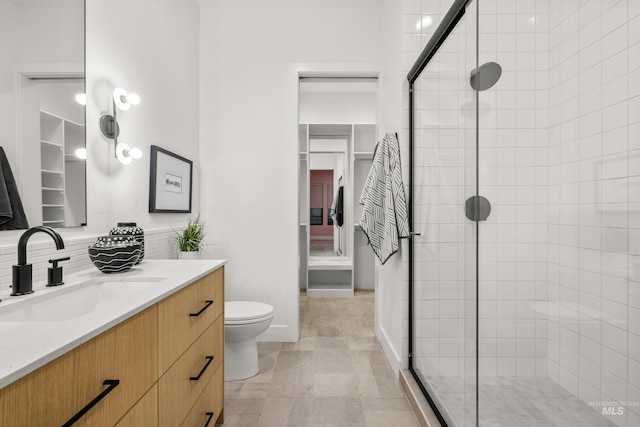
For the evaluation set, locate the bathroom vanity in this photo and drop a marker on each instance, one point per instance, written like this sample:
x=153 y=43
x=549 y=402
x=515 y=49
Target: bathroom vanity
x=142 y=348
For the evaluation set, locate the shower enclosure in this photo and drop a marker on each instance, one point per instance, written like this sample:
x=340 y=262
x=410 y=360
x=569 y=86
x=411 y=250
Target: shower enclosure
x=525 y=196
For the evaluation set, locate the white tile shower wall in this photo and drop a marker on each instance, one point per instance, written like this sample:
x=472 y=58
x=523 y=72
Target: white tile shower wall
x=158 y=245
x=512 y=251
x=571 y=102
x=594 y=189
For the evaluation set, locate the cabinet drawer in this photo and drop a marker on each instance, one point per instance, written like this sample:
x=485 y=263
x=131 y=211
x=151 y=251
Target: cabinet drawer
x=145 y=413
x=53 y=394
x=209 y=402
x=184 y=316
x=177 y=391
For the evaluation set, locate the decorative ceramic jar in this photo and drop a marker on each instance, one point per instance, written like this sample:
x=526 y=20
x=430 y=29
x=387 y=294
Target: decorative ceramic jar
x=130 y=229
x=115 y=254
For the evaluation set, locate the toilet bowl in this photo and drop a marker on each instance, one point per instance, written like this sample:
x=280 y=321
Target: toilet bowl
x=243 y=322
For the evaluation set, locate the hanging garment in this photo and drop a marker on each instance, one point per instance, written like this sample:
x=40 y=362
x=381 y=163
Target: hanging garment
x=336 y=212
x=12 y=216
x=339 y=207
x=384 y=215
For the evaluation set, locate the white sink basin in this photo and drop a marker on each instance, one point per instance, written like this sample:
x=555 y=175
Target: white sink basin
x=73 y=301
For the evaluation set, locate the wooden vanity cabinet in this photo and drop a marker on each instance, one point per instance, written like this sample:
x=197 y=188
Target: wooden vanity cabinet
x=54 y=393
x=185 y=315
x=145 y=413
x=184 y=381
x=203 y=410
x=190 y=345
x=153 y=355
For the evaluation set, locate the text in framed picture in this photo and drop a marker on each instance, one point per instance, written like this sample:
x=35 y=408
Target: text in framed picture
x=170 y=182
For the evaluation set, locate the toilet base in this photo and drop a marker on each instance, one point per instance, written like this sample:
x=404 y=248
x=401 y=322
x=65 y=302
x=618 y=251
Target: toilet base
x=240 y=359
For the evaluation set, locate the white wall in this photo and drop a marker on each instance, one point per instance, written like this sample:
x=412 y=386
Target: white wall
x=161 y=64
x=392 y=278
x=338 y=107
x=249 y=134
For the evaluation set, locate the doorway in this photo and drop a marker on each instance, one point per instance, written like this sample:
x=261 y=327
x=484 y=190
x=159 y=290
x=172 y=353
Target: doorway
x=337 y=136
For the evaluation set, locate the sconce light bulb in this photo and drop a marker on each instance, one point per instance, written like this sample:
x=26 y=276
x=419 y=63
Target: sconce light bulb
x=81 y=153
x=120 y=98
x=133 y=99
x=135 y=153
x=81 y=99
x=122 y=150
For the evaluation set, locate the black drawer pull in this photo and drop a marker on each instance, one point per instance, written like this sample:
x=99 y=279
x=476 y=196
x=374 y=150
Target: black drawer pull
x=112 y=385
x=209 y=360
x=210 y=417
x=208 y=303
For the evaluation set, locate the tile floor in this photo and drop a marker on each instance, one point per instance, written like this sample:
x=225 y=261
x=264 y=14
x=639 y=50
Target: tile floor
x=516 y=402
x=321 y=248
x=335 y=375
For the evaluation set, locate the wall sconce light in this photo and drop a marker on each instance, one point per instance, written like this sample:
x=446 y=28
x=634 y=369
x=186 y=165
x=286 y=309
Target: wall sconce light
x=110 y=129
x=81 y=98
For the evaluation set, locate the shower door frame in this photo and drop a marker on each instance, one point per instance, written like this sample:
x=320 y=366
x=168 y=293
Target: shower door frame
x=447 y=25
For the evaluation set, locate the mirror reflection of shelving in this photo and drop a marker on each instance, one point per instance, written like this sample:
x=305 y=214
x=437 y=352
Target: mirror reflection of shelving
x=59 y=138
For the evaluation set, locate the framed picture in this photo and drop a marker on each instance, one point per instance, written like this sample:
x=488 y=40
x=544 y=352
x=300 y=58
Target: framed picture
x=170 y=182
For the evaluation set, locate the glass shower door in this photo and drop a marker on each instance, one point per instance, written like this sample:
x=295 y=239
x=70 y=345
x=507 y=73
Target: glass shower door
x=443 y=353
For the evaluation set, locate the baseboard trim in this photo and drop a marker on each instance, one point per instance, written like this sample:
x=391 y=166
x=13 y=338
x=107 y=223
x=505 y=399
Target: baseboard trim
x=392 y=356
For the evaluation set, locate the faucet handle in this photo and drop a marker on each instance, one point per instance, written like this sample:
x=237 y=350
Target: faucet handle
x=57 y=260
x=54 y=274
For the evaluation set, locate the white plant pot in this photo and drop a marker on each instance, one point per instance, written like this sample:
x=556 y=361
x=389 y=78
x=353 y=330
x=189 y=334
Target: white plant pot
x=189 y=255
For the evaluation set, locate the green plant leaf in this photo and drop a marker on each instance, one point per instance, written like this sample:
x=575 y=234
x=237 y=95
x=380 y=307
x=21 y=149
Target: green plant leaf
x=191 y=238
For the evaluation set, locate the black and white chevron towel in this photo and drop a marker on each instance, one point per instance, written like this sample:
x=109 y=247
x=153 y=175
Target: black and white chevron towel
x=384 y=216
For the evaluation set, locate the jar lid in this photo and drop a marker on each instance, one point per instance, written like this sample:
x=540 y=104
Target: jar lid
x=127 y=228
x=114 y=241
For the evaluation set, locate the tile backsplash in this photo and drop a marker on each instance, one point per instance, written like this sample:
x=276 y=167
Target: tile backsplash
x=158 y=245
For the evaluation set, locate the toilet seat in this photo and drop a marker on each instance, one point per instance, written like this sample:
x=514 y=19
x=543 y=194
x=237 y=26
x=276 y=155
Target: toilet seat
x=244 y=312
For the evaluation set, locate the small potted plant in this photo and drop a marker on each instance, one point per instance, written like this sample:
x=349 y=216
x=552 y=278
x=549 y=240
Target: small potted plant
x=190 y=240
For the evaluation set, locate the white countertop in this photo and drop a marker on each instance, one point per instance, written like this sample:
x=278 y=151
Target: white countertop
x=57 y=323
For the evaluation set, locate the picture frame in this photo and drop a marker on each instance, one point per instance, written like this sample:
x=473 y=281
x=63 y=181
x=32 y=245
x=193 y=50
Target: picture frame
x=170 y=182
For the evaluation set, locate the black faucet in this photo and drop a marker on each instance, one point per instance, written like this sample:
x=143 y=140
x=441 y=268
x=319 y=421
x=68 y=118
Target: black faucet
x=22 y=273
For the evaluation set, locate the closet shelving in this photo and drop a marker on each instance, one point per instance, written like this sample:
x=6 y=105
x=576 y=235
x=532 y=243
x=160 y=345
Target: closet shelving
x=338 y=275
x=58 y=137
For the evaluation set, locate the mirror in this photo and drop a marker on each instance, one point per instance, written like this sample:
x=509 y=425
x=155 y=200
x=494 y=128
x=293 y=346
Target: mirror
x=43 y=127
x=326 y=197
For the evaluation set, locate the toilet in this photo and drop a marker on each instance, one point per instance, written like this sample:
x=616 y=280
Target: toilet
x=243 y=322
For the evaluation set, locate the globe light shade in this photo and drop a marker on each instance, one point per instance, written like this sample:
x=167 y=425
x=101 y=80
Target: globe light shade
x=135 y=153
x=122 y=153
x=133 y=99
x=120 y=99
x=81 y=99
x=81 y=153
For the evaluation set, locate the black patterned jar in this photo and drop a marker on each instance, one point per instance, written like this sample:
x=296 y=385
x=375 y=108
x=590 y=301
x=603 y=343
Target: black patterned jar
x=115 y=254
x=130 y=229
